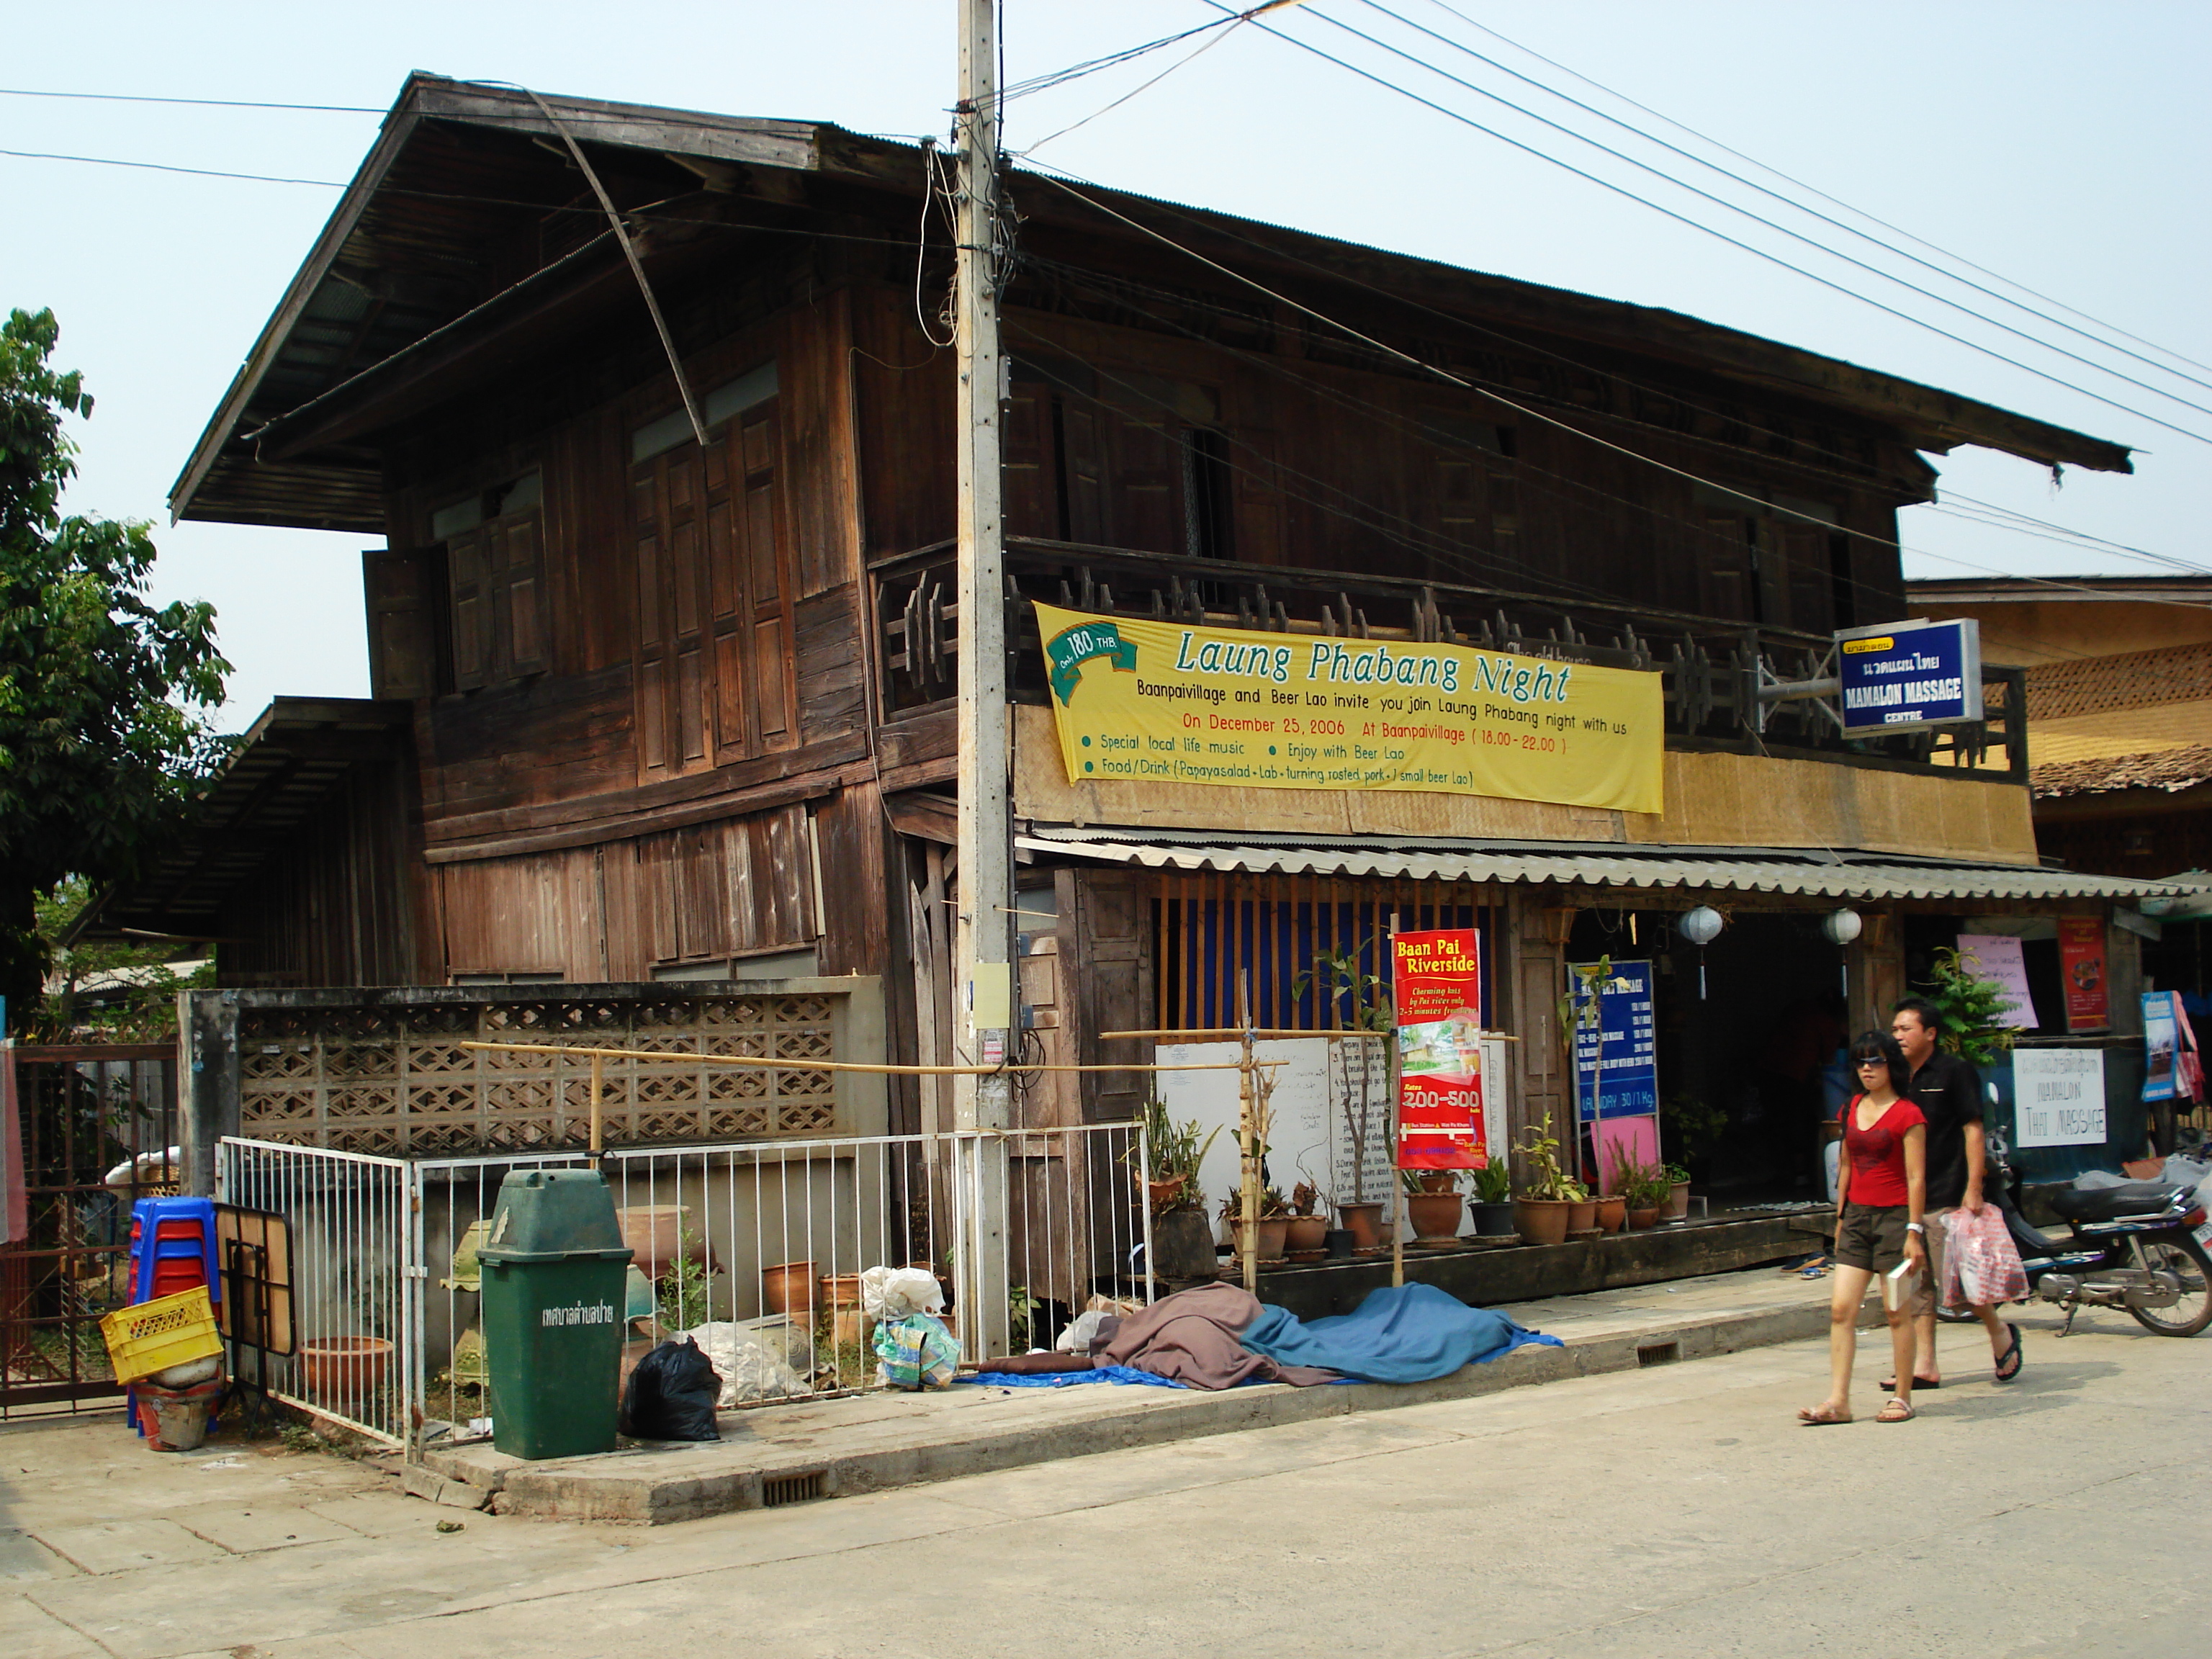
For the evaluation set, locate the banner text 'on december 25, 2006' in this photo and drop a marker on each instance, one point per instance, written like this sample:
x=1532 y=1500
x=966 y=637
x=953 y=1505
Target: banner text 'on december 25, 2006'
x=1139 y=699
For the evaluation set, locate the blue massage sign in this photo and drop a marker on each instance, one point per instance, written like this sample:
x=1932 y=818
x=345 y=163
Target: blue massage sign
x=1909 y=676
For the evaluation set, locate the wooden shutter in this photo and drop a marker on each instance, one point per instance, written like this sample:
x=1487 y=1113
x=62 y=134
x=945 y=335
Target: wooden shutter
x=466 y=563
x=1106 y=943
x=1085 y=468
x=403 y=631
x=1725 y=557
x=1030 y=499
x=522 y=583
x=1145 y=499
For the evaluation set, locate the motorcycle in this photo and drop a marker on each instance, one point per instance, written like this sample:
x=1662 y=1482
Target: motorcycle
x=2141 y=1245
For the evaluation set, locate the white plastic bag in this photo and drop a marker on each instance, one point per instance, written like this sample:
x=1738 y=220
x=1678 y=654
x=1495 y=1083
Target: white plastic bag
x=892 y=1293
x=749 y=1370
x=1981 y=1265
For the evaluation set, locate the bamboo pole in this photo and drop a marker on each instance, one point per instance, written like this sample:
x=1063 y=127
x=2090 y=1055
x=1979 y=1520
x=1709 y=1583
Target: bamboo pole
x=1390 y=1081
x=1248 y=1129
x=781 y=1065
x=1273 y=1037
x=599 y=1077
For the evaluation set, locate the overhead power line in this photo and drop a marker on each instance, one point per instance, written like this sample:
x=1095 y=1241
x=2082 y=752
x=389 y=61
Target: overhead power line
x=199 y=103
x=163 y=167
x=1772 y=171
x=1789 y=202
x=1681 y=218
x=1534 y=413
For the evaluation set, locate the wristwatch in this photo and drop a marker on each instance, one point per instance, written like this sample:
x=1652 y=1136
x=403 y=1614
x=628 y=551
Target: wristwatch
x=1915 y=1227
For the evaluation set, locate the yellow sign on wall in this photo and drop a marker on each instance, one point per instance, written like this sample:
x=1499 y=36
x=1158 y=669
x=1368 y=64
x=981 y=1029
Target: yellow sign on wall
x=1163 y=701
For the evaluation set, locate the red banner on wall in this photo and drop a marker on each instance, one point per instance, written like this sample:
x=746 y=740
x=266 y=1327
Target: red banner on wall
x=2082 y=969
x=1436 y=985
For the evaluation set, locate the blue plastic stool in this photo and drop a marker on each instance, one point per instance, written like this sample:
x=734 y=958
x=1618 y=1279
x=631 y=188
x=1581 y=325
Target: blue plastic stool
x=149 y=1213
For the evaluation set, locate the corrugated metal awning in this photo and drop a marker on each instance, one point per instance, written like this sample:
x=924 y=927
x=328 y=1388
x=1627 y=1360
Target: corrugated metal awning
x=1816 y=872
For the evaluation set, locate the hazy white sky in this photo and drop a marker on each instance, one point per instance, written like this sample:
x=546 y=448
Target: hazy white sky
x=2064 y=145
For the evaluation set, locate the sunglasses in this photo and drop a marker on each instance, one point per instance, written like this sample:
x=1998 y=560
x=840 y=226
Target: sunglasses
x=1877 y=1061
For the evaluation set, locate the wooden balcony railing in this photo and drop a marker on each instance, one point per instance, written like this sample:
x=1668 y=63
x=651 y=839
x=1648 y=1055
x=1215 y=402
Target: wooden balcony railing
x=1711 y=667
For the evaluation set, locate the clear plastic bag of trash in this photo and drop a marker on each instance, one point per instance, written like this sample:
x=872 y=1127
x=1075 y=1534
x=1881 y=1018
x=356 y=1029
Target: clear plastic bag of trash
x=915 y=1353
x=888 y=1293
x=750 y=1363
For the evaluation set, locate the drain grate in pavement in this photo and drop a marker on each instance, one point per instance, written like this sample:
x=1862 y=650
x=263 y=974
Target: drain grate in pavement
x=781 y=1489
x=1659 y=1353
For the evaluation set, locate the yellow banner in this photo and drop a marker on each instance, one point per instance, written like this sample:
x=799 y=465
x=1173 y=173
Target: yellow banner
x=1137 y=699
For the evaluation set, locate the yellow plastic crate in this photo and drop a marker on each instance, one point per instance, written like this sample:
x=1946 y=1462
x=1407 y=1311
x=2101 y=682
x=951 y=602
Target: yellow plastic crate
x=170 y=1330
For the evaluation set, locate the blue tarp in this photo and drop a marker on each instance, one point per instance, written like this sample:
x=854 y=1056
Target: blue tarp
x=1067 y=1379
x=1411 y=1334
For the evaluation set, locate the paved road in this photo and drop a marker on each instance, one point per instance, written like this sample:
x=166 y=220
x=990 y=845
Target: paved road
x=1676 y=1510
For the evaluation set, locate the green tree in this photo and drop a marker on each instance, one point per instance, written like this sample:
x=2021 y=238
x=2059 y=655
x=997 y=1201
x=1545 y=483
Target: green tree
x=100 y=744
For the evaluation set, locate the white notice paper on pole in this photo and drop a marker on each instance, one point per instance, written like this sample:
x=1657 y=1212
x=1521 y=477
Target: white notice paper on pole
x=2058 y=1096
x=1998 y=957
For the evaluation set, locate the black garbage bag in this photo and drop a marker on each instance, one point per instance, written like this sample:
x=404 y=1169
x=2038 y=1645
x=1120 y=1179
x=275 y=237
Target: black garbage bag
x=671 y=1396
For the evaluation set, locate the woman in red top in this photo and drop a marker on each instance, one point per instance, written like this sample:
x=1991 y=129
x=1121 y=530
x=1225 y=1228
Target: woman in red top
x=1881 y=1187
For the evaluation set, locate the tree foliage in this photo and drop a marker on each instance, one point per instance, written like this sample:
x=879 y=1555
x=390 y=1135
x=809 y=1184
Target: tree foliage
x=1972 y=1007
x=102 y=744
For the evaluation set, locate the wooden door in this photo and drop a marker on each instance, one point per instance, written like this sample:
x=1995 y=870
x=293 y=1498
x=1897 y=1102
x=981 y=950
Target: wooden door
x=713 y=649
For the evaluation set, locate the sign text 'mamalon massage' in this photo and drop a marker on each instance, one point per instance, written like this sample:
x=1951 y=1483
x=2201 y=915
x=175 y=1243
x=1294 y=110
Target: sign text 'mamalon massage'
x=1139 y=700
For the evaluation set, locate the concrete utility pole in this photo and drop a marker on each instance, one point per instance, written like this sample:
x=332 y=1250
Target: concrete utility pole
x=983 y=930
x=985 y=856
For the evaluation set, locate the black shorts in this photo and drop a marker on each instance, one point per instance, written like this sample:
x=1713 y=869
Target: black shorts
x=1872 y=1236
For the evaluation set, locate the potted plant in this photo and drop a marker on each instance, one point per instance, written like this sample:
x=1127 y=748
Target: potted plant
x=1307 y=1238
x=1173 y=1155
x=1274 y=1224
x=1613 y=1203
x=1677 y=1208
x=1493 y=1200
x=1582 y=1208
x=1645 y=1186
x=1434 y=1212
x=1540 y=1214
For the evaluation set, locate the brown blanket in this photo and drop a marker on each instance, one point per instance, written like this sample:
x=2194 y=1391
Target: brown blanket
x=1191 y=1337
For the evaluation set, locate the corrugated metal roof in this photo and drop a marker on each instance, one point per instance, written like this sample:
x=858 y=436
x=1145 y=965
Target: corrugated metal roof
x=1819 y=872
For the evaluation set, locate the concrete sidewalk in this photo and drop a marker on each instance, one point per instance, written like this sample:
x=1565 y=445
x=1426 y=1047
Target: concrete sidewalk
x=776 y=1454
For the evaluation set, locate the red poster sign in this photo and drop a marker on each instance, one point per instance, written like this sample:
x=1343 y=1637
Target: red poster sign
x=2082 y=969
x=1435 y=982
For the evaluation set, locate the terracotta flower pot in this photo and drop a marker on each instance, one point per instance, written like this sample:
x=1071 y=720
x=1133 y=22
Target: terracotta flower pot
x=788 y=1288
x=343 y=1370
x=1435 y=1216
x=1163 y=1193
x=1678 y=1203
x=656 y=1236
x=1541 y=1220
x=1583 y=1216
x=1274 y=1230
x=1307 y=1233
x=1612 y=1213
x=1364 y=1223
x=840 y=1294
x=1438 y=1181
x=1640 y=1219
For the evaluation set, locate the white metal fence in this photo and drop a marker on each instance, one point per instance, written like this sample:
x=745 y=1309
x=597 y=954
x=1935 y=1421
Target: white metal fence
x=758 y=1247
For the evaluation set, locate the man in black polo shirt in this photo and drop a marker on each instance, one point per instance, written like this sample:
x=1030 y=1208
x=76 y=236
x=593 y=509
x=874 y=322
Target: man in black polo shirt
x=1948 y=1092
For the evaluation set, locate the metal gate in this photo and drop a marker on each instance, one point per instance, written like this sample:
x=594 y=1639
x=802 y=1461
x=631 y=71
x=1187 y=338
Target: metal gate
x=98 y=1124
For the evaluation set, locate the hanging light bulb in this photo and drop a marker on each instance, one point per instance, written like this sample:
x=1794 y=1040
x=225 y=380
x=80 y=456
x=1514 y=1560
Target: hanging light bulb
x=1701 y=926
x=1841 y=927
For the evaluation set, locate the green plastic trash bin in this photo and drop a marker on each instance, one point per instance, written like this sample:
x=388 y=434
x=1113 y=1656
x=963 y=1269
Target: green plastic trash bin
x=553 y=1266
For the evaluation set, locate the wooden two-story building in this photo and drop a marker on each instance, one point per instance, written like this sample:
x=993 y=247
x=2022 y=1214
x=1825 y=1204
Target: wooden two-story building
x=648 y=711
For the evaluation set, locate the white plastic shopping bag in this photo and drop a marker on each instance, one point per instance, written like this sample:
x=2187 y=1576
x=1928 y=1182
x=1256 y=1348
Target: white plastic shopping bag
x=1980 y=1264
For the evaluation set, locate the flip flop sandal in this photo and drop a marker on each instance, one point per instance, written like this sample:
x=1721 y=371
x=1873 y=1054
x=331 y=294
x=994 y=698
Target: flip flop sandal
x=2010 y=1361
x=1820 y=1417
x=1889 y=1385
x=1897 y=1411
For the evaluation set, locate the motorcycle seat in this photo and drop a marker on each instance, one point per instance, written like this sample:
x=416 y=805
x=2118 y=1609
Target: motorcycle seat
x=2115 y=1203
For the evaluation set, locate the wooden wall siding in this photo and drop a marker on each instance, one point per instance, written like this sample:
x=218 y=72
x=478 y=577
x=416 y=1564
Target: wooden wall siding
x=1107 y=931
x=734 y=887
x=820 y=465
x=861 y=931
x=389 y=1079
x=904 y=402
x=338 y=905
x=1370 y=471
x=712 y=567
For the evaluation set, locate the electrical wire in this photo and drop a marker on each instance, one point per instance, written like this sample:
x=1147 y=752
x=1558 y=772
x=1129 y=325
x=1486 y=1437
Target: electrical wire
x=1204 y=47
x=200 y=103
x=1775 y=195
x=163 y=167
x=1765 y=505
x=1853 y=479
x=1681 y=218
x=1768 y=168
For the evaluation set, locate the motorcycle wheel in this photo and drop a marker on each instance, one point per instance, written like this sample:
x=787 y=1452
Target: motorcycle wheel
x=2183 y=1255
